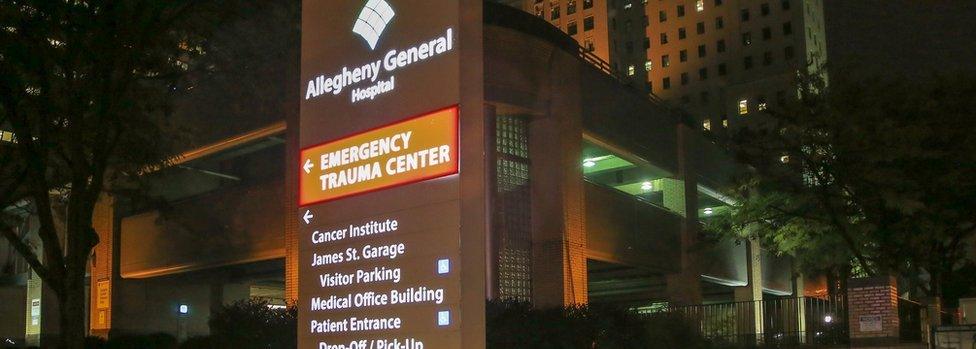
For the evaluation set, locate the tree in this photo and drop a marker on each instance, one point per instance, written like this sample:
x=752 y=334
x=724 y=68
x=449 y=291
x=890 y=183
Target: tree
x=86 y=87
x=869 y=176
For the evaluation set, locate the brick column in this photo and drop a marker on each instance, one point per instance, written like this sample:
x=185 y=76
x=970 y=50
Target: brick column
x=290 y=205
x=103 y=262
x=873 y=311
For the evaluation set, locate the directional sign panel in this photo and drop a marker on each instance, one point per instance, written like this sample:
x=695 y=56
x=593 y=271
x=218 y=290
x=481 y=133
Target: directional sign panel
x=408 y=151
x=391 y=189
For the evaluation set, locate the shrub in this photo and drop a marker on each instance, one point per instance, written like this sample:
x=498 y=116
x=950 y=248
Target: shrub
x=251 y=324
x=519 y=325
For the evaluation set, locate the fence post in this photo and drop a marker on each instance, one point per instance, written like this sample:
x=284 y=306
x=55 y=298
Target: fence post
x=873 y=311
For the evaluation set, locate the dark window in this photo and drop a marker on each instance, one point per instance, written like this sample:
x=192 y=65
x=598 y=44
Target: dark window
x=684 y=78
x=718 y=2
x=665 y=61
x=767 y=58
x=666 y=83
x=747 y=62
x=746 y=39
x=628 y=25
x=719 y=23
x=683 y=55
x=703 y=74
x=681 y=34
x=767 y=33
x=662 y=16
x=647 y=43
x=588 y=23
x=787 y=28
x=704 y=94
x=587 y=4
x=650 y=87
x=554 y=12
x=745 y=15
x=571 y=7
x=701 y=27
x=647 y=22
x=685 y=99
x=764 y=9
x=571 y=28
x=681 y=10
x=701 y=51
x=630 y=46
x=664 y=38
x=722 y=69
x=786 y=5
x=788 y=52
x=720 y=45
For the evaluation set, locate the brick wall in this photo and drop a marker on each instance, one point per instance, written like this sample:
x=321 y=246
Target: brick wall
x=873 y=311
x=103 y=255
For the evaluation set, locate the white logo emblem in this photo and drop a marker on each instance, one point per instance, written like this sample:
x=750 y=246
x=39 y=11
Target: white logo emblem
x=373 y=20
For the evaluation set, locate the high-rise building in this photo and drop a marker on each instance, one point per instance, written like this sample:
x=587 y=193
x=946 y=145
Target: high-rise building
x=721 y=60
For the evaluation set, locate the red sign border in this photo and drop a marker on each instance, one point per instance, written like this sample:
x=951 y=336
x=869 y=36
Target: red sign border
x=454 y=152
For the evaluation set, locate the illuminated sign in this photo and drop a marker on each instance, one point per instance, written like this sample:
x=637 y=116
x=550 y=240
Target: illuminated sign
x=391 y=216
x=408 y=151
x=373 y=20
x=371 y=72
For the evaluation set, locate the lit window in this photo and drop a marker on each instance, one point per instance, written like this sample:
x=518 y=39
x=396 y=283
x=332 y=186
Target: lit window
x=744 y=107
x=761 y=106
x=628 y=6
x=707 y=124
x=6 y=136
x=725 y=121
x=784 y=159
x=647 y=186
x=648 y=65
x=631 y=70
x=700 y=5
x=666 y=61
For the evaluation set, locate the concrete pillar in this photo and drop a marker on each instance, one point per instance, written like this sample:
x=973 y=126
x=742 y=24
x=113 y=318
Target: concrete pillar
x=559 y=274
x=873 y=311
x=799 y=284
x=751 y=295
x=684 y=288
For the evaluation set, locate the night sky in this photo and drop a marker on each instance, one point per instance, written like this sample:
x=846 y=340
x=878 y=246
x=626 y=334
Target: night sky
x=909 y=37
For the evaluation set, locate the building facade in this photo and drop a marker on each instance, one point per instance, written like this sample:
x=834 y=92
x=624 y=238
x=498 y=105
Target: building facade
x=721 y=60
x=596 y=194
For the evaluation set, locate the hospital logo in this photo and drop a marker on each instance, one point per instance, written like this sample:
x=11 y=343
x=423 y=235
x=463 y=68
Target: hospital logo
x=373 y=20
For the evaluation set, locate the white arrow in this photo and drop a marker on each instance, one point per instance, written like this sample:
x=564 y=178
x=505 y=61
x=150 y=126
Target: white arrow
x=308 y=166
x=308 y=216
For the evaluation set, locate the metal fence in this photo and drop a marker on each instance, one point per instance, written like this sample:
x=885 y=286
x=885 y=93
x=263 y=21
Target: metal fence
x=783 y=321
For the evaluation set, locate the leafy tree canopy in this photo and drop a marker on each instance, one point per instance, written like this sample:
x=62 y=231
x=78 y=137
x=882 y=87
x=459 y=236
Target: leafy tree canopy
x=875 y=176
